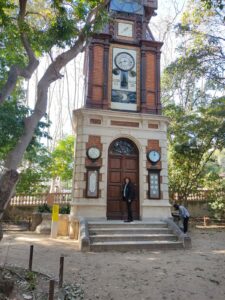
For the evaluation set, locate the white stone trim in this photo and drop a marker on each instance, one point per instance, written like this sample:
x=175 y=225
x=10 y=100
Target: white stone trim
x=109 y=133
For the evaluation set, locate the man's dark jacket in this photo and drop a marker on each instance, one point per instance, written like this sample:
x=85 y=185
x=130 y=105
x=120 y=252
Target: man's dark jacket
x=129 y=194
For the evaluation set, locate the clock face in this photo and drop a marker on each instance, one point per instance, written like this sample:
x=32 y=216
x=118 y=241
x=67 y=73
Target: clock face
x=93 y=153
x=129 y=6
x=125 y=29
x=124 y=61
x=153 y=156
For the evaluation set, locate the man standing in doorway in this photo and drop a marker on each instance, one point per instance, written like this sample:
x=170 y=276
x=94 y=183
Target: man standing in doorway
x=128 y=196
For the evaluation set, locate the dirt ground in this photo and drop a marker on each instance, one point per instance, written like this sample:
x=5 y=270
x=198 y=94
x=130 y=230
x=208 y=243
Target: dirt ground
x=196 y=274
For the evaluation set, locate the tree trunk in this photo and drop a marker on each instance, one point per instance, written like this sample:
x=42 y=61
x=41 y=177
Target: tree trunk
x=1 y=235
x=8 y=181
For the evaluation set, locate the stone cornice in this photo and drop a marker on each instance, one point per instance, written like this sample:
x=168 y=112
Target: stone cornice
x=123 y=115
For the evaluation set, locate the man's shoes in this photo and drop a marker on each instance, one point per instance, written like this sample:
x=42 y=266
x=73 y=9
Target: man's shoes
x=126 y=221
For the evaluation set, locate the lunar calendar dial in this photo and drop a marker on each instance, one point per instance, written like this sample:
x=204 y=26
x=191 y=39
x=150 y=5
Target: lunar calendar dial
x=129 y=6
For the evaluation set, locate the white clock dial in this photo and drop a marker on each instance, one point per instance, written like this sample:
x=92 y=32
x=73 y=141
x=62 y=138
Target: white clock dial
x=93 y=153
x=154 y=156
x=124 y=61
x=125 y=29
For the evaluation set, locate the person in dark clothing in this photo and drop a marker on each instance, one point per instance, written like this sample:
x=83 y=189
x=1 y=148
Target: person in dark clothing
x=184 y=215
x=128 y=196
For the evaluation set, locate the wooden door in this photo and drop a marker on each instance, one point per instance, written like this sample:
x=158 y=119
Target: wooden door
x=123 y=161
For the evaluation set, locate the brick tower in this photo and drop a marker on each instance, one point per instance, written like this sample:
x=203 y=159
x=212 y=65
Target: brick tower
x=120 y=131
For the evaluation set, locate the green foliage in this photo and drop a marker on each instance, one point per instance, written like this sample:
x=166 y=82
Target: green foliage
x=44 y=208
x=11 y=125
x=196 y=76
x=214 y=3
x=40 y=166
x=47 y=24
x=217 y=205
x=31 y=278
x=194 y=100
x=64 y=210
x=62 y=159
x=12 y=114
x=193 y=138
x=34 y=176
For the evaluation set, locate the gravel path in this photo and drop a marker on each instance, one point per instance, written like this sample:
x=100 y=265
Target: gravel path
x=196 y=274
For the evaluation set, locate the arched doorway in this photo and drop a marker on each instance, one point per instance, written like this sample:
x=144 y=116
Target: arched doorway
x=123 y=161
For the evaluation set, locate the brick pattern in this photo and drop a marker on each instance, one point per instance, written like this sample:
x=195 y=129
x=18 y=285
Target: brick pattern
x=98 y=74
x=96 y=121
x=153 y=145
x=150 y=67
x=125 y=124
x=93 y=140
x=151 y=81
x=153 y=126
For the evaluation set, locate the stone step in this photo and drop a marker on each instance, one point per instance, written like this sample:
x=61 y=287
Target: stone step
x=14 y=227
x=132 y=237
x=124 y=224
x=135 y=245
x=128 y=230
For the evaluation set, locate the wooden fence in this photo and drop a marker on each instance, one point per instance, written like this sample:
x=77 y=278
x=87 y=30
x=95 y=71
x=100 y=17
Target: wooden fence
x=40 y=199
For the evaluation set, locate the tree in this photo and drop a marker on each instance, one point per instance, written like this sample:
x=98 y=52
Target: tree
x=197 y=75
x=12 y=116
x=62 y=159
x=193 y=139
x=34 y=175
x=214 y=3
x=68 y=25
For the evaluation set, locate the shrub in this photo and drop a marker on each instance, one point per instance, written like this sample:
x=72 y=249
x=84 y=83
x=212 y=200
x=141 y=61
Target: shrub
x=64 y=210
x=44 y=208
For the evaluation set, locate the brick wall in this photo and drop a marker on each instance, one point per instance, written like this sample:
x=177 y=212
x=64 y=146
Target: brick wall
x=93 y=140
x=98 y=74
x=150 y=81
x=153 y=145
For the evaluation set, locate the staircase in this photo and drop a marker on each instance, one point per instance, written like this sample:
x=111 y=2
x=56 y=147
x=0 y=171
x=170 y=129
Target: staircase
x=120 y=236
x=15 y=226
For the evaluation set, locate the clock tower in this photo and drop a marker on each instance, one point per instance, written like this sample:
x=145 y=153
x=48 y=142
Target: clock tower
x=120 y=131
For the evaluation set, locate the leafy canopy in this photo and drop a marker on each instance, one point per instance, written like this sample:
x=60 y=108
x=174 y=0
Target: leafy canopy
x=62 y=159
x=47 y=24
x=196 y=77
x=12 y=114
x=193 y=139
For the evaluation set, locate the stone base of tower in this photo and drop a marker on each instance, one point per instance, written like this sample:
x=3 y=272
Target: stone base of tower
x=101 y=128
x=159 y=211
